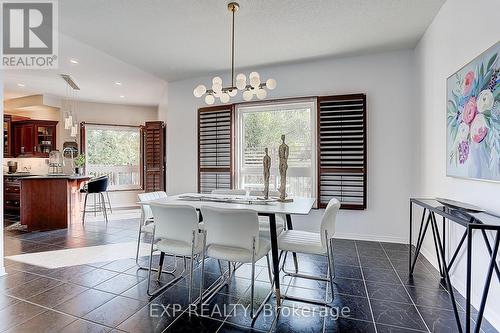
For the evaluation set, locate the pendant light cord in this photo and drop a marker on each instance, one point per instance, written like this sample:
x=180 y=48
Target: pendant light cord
x=232 y=52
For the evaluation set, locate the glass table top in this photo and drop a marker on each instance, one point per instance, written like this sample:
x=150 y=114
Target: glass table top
x=459 y=215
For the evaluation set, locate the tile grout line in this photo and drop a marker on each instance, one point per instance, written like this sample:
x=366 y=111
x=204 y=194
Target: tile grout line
x=60 y=312
x=366 y=289
x=406 y=290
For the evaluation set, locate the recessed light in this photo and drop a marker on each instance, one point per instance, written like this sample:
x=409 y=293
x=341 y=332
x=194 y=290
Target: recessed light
x=73 y=61
x=21 y=85
x=118 y=83
x=122 y=96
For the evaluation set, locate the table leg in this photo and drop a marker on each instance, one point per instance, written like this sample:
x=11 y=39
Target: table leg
x=435 y=230
x=410 y=243
x=487 y=283
x=421 y=236
x=274 y=252
x=468 y=280
x=289 y=226
x=486 y=240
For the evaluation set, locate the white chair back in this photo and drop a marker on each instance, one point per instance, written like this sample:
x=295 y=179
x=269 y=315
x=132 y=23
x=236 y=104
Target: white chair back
x=175 y=222
x=272 y=193
x=146 y=210
x=229 y=192
x=328 y=220
x=231 y=227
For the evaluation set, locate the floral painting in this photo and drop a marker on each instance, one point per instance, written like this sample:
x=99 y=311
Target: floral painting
x=473 y=118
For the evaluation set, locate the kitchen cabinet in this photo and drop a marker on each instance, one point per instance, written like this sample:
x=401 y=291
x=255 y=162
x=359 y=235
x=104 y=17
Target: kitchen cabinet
x=7 y=136
x=11 y=194
x=34 y=138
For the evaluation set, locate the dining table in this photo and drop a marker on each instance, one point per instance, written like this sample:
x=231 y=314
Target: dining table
x=269 y=208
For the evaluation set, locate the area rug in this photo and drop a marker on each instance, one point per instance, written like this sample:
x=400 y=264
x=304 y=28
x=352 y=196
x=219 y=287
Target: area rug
x=82 y=255
x=16 y=227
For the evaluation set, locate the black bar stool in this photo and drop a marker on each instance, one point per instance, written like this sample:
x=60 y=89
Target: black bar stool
x=97 y=187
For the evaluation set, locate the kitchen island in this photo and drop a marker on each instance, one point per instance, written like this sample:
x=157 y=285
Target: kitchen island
x=51 y=201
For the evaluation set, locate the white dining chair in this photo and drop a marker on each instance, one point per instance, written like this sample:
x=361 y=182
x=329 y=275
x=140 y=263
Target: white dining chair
x=146 y=223
x=316 y=243
x=233 y=235
x=229 y=192
x=175 y=233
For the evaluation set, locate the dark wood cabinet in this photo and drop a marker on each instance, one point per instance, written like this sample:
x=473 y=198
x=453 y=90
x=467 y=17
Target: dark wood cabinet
x=154 y=156
x=34 y=138
x=11 y=194
x=7 y=136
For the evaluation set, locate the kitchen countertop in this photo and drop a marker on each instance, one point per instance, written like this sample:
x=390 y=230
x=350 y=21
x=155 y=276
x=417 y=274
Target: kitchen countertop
x=19 y=174
x=74 y=177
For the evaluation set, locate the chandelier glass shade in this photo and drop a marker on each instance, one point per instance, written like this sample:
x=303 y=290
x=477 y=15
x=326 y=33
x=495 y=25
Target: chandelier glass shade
x=253 y=85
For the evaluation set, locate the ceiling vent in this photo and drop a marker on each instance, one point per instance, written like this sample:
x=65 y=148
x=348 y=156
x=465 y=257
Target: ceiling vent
x=69 y=80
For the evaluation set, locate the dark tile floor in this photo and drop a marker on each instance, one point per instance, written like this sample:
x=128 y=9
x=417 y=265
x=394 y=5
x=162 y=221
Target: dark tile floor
x=371 y=285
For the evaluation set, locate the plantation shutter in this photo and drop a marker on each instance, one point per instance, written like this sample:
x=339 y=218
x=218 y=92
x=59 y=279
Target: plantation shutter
x=215 y=148
x=154 y=156
x=342 y=150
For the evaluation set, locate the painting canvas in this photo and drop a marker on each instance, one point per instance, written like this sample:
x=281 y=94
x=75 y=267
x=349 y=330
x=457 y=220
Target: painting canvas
x=473 y=118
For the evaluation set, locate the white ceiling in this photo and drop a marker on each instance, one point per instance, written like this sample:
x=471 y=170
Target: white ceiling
x=95 y=74
x=142 y=43
x=176 y=39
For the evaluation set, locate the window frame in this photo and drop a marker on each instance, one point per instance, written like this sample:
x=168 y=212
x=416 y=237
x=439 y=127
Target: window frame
x=83 y=147
x=263 y=106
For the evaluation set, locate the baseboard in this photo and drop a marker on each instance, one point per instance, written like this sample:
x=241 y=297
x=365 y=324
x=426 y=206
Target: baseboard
x=126 y=207
x=374 y=238
x=489 y=313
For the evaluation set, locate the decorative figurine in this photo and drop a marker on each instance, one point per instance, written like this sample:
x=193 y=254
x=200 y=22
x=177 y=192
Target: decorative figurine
x=283 y=156
x=266 y=162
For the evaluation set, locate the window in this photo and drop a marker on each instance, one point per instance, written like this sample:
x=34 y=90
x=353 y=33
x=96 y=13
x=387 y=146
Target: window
x=326 y=136
x=114 y=151
x=261 y=127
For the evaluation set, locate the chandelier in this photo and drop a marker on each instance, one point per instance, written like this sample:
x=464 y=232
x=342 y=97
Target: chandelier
x=254 y=86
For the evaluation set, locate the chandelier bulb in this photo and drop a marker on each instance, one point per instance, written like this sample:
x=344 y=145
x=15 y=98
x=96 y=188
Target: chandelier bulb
x=261 y=93
x=217 y=80
x=241 y=76
x=209 y=99
x=247 y=95
x=271 y=84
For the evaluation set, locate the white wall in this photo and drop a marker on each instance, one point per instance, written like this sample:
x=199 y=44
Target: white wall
x=459 y=33
x=387 y=81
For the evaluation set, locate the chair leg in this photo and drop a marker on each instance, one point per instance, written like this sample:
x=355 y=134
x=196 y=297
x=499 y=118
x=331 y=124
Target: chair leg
x=148 y=291
x=84 y=208
x=269 y=294
x=109 y=203
x=295 y=263
x=103 y=208
x=202 y=280
x=191 y=267
x=160 y=266
x=95 y=205
x=331 y=268
x=252 y=286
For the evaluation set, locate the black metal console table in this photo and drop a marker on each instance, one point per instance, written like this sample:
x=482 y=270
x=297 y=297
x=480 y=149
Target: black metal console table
x=472 y=221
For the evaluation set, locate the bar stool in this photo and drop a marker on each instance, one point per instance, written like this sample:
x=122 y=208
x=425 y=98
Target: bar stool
x=96 y=187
